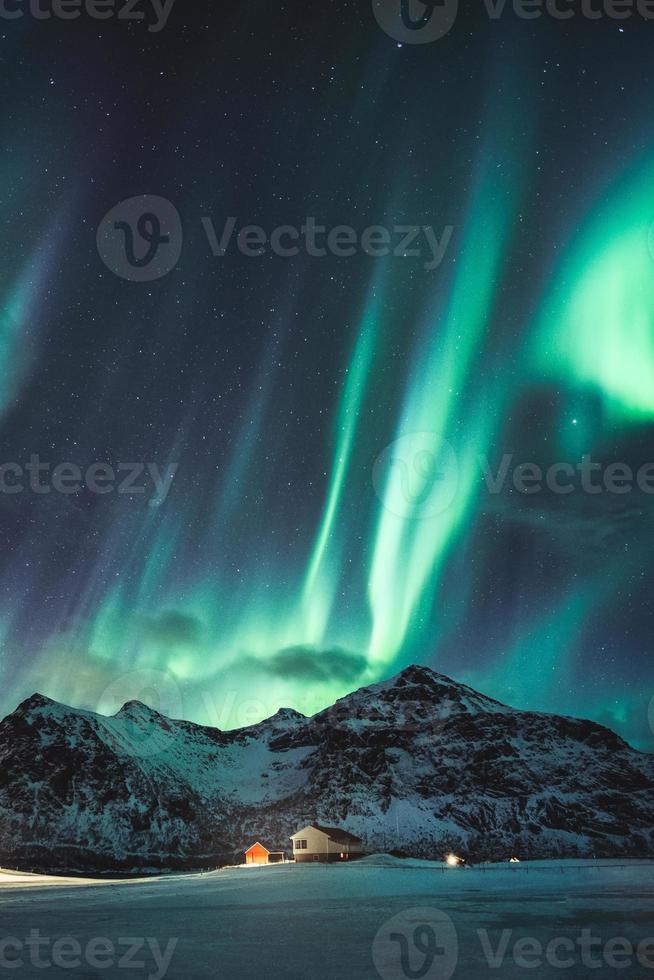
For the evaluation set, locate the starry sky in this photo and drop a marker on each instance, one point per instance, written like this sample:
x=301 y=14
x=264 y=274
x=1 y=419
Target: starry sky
x=303 y=400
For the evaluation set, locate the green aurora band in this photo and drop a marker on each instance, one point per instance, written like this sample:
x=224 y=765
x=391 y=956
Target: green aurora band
x=592 y=335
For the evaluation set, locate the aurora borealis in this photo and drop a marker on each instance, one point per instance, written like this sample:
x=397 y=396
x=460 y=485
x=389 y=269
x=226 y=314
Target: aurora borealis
x=288 y=565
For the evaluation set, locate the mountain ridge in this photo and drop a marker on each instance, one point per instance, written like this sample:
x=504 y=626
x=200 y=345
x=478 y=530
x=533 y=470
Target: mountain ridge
x=413 y=672
x=418 y=762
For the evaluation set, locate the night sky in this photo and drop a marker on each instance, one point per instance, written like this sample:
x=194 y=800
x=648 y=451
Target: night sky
x=295 y=557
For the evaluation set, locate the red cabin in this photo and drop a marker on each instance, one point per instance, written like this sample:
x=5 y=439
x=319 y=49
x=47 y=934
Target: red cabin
x=258 y=854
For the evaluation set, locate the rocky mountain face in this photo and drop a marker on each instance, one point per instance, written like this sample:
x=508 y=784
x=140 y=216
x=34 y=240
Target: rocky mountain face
x=418 y=765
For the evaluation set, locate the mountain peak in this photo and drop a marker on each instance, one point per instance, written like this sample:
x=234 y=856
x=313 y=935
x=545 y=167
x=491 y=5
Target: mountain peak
x=282 y=717
x=36 y=701
x=443 y=686
x=289 y=714
x=136 y=709
x=416 y=697
x=417 y=674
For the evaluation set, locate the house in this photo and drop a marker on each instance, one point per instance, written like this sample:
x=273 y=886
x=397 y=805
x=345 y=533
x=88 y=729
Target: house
x=319 y=843
x=258 y=854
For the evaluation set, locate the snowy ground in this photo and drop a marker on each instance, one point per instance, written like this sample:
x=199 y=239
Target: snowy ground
x=378 y=917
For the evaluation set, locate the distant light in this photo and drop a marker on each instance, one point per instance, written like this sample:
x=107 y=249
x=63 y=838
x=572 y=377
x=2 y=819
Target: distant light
x=514 y=860
x=453 y=861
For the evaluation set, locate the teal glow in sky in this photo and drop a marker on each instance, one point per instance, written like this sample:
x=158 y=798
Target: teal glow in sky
x=311 y=406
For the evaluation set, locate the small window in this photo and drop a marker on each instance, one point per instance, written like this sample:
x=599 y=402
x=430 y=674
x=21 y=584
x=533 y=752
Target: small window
x=300 y=845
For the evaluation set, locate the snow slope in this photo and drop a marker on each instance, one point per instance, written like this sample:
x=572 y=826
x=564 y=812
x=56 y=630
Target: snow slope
x=302 y=922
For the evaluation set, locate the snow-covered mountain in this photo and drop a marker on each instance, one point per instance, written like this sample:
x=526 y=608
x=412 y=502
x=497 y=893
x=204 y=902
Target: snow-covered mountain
x=417 y=764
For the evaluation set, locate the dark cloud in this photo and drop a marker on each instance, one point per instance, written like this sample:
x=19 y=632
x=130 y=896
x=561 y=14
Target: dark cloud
x=173 y=628
x=307 y=663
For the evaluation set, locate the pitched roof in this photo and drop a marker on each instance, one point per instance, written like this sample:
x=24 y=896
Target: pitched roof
x=257 y=844
x=336 y=834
